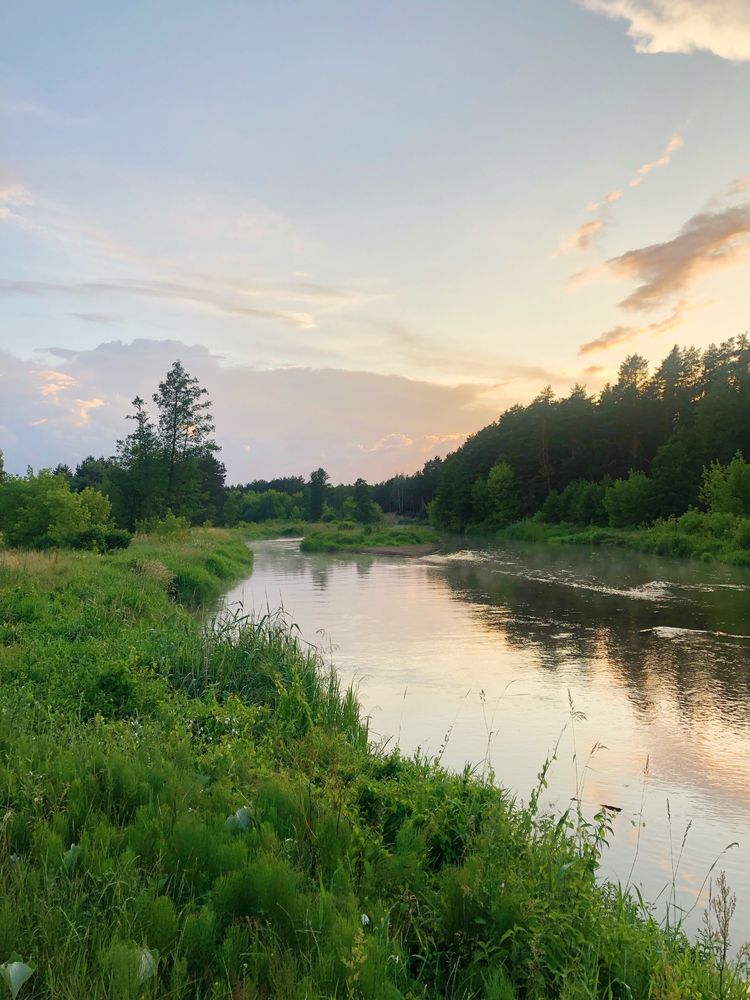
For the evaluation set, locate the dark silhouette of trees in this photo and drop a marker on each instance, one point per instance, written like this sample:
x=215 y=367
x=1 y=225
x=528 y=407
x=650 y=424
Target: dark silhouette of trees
x=566 y=454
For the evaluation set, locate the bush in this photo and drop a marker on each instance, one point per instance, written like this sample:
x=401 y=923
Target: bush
x=630 y=502
x=726 y=488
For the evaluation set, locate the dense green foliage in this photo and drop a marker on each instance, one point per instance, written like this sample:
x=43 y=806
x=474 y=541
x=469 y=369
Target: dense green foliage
x=349 y=535
x=409 y=495
x=635 y=454
x=164 y=465
x=41 y=511
x=198 y=813
x=694 y=535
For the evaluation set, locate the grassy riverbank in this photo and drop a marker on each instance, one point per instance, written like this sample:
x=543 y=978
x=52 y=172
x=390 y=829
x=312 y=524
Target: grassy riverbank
x=346 y=536
x=190 y=814
x=695 y=535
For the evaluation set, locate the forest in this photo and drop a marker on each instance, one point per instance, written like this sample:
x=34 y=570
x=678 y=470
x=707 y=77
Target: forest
x=650 y=448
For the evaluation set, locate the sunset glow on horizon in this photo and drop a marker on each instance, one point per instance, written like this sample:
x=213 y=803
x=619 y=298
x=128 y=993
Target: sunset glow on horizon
x=367 y=229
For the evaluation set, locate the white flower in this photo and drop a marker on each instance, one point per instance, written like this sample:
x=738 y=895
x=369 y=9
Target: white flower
x=365 y=920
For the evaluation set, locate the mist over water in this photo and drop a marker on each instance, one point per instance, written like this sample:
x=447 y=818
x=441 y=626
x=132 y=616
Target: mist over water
x=477 y=653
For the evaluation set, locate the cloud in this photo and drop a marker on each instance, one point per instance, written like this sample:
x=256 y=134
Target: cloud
x=260 y=424
x=13 y=193
x=624 y=334
x=81 y=410
x=675 y=143
x=708 y=242
x=187 y=236
x=718 y=26
x=393 y=340
x=53 y=383
x=456 y=438
x=389 y=442
x=608 y=199
x=739 y=186
x=594 y=370
x=195 y=295
x=583 y=238
x=96 y=317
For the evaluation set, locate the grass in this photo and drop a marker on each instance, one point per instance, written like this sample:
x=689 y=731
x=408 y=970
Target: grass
x=345 y=536
x=695 y=535
x=195 y=811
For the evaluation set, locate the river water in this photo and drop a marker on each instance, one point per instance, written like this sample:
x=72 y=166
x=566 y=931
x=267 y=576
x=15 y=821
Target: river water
x=494 y=655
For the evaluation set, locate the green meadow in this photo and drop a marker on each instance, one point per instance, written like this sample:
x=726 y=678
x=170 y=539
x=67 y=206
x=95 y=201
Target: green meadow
x=192 y=808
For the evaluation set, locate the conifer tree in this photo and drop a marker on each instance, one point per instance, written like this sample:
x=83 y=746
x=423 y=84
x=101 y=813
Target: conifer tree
x=184 y=432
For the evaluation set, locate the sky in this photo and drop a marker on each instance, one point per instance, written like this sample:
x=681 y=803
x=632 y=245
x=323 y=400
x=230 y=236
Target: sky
x=367 y=228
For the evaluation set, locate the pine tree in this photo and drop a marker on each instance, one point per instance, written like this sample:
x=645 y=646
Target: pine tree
x=139 y=480
x=184 y=431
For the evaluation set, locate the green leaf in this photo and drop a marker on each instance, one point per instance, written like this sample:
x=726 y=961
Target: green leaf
x=14 y=974
x=147 y=964
x=71 y=856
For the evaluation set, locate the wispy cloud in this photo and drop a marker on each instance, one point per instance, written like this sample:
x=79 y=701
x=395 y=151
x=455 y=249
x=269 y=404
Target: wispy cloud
x=718 y=26
x=675 y=143
x=740 y=185
x=294 y=303
x=53 y=382
x=624 y=334
x=586 y=235
x=389 y=442
x=82 y=408
x=195 y=296
x=583 y=238
x=96 y=317
x=708 y=242
x=608 y=199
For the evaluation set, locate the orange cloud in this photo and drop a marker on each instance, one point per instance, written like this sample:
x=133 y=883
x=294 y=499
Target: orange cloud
x=53 y=383
x=82 y=408
x=608 y=199
x=624 y=334
x=708 y=242
x=675 y=143
x=583 y=237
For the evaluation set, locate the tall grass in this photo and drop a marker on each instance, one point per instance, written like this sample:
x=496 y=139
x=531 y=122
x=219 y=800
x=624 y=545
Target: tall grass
x=193 y=810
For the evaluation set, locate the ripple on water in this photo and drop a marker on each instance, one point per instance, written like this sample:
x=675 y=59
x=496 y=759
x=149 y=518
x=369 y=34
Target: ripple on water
x=674 y=633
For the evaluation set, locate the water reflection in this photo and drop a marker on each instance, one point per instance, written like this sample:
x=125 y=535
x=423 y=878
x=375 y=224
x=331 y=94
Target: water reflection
x=486 y=645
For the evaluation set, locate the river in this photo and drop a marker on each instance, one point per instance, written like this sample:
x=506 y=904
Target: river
x=493 y=655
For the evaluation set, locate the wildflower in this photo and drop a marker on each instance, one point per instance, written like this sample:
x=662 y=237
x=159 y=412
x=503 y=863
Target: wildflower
x=365 y=920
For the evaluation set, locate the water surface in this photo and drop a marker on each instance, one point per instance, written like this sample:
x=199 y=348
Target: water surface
x=478 y=653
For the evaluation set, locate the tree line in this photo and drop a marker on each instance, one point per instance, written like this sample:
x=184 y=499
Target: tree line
x=166 y=472
x=651 y=445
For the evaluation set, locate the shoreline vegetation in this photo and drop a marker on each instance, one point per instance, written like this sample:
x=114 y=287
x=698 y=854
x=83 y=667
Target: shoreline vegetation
x=195 y=810
x=347 y=536
x=695 y=536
